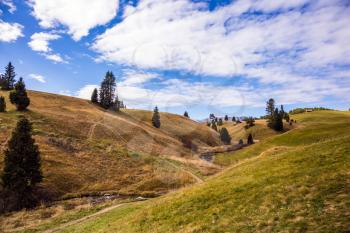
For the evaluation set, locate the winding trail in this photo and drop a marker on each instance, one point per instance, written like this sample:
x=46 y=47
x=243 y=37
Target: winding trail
x=197 y=178
x=71 y=223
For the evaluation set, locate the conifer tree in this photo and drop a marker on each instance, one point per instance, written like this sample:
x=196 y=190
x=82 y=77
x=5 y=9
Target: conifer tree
x=21 y=166
x=270 y=108
x=2 y=104
x=8 y=79
x=94 y=96
x=186 y=114
x=233 y=119
x=117 y=104
x=156 y=118
x=250 y=139
x=225 y=136
x=240 y=142
x=278 y=120
x=220 y=123
x=213 y=125
x=107 y=90
x=19 y=96
x=226 y=118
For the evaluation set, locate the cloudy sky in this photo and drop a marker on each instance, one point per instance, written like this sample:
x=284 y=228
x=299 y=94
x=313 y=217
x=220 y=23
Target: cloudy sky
x=225 y=57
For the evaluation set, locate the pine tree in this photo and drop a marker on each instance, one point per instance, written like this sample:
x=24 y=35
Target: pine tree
x=117 y=104
x=250 y=139
x=186 y=114
x=107 y=90
x=220 y=123
x=240 y=142
x=19 y=96
x=21 y=166
x=213 y=125
x=2 y=104
x=278 y=120
x=94 y=96
x=233 y=119
x=226 y=118
x=270 y=108
x=156 y=118
x=8 y=79
x=225 y=136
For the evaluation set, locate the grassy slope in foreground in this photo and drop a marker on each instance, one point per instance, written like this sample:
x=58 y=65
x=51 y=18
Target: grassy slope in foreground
x=295 y=182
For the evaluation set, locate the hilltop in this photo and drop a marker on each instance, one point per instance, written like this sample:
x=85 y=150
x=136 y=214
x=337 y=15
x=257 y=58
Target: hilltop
x=86 y=149
x=297 y=181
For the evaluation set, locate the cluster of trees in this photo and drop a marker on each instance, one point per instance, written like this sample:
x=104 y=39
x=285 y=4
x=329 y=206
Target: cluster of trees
x=22 y=169
x=275 y=116
x=107 y=97
x=18 y=93
x=302 y=110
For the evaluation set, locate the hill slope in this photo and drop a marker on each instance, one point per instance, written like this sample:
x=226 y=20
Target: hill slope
x=87 y=149
x=295 y=182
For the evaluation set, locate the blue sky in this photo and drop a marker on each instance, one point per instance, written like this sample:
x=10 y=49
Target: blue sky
x=203 y=56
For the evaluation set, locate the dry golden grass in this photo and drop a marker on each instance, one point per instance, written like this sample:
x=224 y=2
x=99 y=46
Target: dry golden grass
x=87 y=149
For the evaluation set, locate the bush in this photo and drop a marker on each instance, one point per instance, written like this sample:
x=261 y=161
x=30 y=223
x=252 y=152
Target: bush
x=2 y=104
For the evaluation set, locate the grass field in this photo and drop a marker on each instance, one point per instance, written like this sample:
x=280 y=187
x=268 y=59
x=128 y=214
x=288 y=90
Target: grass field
x=298 y=181
x=86 y=149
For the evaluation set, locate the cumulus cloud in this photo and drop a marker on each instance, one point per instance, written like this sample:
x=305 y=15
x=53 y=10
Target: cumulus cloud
x=38 y=77
x=86 y=91
x=79 y=16
x=40 y=43
x=10 y=31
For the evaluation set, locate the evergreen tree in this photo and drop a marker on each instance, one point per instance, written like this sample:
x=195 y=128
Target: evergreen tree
x=117 y=104
x=240 y=142
x=225 y=136
x=220 y=123
x=186 y=114
x=250 y=122
x=156 y=118
x=19 y=96
x=2 y=104
x=233 y=119
x=107 y=90
x=8 y=79
x=226 y=118
x=286 y=117
x=270 y=108
x=94 y=96
x=278 y=120
x=213 y=125
x=21 y=166
x=250 y=139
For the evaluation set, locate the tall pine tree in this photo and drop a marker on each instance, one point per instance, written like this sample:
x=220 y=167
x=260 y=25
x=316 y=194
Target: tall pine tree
x=186 y=114
x=94 y=96
x=250 y=139
x=156 y=118
x=21 y=166
x=270 y=108
x=2 y=104
x=225 y=136
x=8 y=79
x=107 y=91
x=278 y=120
x=19 y=96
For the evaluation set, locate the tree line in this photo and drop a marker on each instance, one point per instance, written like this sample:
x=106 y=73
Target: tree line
x=22 y=166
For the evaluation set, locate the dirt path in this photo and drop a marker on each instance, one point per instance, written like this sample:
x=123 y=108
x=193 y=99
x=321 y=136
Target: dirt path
x=197 y=178
x=71 y=223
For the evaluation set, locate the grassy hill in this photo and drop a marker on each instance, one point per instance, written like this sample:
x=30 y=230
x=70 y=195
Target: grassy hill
x=86 y=149
x=298 y=181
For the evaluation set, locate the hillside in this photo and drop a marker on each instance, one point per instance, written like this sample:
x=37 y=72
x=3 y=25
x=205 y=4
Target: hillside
x=86 y=149
x=298 y=181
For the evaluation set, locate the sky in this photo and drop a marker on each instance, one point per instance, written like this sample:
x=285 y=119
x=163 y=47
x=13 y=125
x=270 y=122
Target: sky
x=203 y=56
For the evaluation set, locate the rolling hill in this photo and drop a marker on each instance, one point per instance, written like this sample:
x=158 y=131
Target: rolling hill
x=298 y=181
x=86 y=149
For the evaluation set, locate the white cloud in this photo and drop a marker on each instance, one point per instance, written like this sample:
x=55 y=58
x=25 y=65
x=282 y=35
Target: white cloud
x=38 y=77
x=40 y=41
x=181 y=35
x=9 y=4
x=10 y=31
x=79 y=16
x=86 y=91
